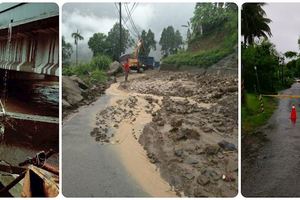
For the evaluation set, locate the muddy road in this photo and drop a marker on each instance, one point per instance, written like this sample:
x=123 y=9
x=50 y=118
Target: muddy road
x=275 y=171
x=161 y=134
x=91 y=169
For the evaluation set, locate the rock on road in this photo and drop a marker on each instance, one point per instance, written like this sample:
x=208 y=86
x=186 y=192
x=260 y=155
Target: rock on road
x=276 y=171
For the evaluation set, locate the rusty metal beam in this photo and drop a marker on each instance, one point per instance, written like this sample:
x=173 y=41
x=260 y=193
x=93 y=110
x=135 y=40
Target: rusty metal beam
x=37 y=118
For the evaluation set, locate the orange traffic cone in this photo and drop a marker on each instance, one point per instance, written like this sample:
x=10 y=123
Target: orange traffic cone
x=293 y=114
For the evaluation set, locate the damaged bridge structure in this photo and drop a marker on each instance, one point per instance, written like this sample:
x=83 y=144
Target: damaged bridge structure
x=29 y=39
x=29 y=49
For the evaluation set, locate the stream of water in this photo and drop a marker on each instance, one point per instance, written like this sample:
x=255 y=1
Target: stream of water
x=23 y=138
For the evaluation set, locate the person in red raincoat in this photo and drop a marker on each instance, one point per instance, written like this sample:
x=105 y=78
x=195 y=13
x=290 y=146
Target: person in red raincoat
x=126 y=69
x=293 y=114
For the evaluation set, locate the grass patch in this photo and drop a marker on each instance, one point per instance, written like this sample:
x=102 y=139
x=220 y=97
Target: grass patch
x=252 y=118
x=206 y=50
x=201 y=59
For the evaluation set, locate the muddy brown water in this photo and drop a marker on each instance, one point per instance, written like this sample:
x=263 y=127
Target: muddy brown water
x=89 y=168
x=23 y=138
x=276 y=170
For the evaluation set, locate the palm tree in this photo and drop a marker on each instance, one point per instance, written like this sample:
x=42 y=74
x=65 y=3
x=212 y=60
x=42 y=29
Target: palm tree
x=254 y=22
x=77 y=37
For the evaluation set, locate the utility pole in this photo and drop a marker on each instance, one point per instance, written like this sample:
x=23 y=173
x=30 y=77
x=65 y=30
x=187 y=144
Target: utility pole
x=282 y=82
x=120 y=23
x=257 y=81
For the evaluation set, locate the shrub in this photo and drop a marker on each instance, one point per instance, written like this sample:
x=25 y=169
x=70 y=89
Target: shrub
x=98 y=76
x=100 y=62
x=67 y=71
x=82 y=69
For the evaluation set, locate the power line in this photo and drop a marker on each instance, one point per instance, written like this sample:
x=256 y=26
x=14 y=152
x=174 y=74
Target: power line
x=132 y=10
x=131 y=20
x=136 y=34
x=120 y=21
x=133 y=33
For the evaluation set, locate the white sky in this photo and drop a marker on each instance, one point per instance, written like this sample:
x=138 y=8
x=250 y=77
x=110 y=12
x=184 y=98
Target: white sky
x=285 y=25
x=90 y=18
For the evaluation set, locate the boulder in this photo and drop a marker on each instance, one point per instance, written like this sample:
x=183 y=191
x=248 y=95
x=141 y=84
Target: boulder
x=114 y=68
x=71 y=91
x=79 y=82
x=227 y=146
x=65 y=104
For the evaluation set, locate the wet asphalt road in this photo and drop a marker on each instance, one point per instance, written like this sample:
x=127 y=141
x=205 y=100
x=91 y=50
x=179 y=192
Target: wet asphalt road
x=276 y=172
x=90 y=169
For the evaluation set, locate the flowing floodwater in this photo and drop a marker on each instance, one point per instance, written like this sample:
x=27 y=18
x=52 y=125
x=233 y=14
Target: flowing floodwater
x=23 y=138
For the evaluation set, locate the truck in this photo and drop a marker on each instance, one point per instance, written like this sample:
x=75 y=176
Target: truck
x=133 y=62
x=147 y=62
x=137 y=62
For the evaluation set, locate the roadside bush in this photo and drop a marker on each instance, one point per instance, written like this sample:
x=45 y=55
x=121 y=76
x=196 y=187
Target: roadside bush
x=90 y=73
x=82 y=69
x=98 y=76
x=100 y=62
x=67 y=71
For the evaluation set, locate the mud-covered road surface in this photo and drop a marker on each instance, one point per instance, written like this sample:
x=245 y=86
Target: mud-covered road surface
x=275 y=171
x=90 y=169
x=175 y=132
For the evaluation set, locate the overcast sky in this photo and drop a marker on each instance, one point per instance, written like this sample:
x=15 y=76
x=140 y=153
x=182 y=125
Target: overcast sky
x=285 y=25
x=90 y=18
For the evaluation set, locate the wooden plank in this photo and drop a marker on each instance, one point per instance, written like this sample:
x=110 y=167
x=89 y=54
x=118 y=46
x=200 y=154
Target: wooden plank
x=36 y=118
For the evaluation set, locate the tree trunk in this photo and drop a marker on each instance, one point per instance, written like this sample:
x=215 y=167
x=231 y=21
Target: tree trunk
x=76 y=54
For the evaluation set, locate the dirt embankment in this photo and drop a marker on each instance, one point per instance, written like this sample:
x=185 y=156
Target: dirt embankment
x=187 y=125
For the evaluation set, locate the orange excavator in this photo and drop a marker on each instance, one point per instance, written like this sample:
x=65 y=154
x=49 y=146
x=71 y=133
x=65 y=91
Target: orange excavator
x=132 y=59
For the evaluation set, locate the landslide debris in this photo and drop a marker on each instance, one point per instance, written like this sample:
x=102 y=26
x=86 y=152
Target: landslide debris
x=76 y=93
x=192 y=137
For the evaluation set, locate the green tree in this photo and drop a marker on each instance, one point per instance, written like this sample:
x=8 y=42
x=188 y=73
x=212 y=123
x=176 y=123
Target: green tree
x=266 y=60
x=178 y=41
x=170 y=41
x=113 y=41
x=98 y=44
x=148 y=42
x=207 y=17
x=290 y=54
x=210 y=18
x=100 y=62
x=67 y=51
x=77 y=37
x=254 y=22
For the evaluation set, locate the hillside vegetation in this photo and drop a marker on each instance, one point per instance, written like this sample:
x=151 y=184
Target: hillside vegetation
x=213 y=36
